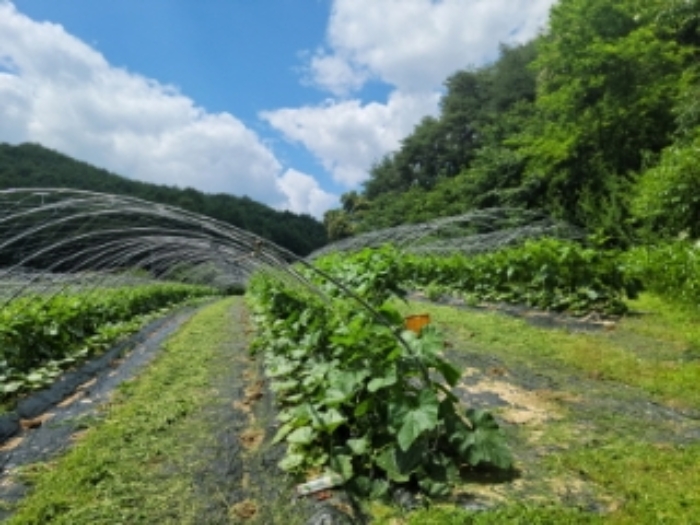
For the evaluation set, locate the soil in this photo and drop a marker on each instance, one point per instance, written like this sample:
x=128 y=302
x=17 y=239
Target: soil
x=237 y=459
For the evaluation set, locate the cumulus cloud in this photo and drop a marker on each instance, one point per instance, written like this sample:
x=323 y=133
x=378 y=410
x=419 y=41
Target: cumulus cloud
x=410 y=45
x=415 y=44
x=60 y=92
x=348 y=136
x=304 y=195
x=336 y=74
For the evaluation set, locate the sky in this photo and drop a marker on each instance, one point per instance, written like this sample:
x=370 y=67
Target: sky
x=289 y=102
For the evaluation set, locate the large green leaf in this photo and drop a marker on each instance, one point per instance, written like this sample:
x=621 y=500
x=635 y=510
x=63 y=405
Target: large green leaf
x=283 y=386
x=302 y=436
x=281 y=367
x=409 y=460
x=488 y=443
x=327 y=420
x=378 y=383
x=291 y=462
x=448 y=371
x=359 y=446
x=363 y=407
x=419 y=420
x=343 y=386
x=387 y=462
x=342 y=465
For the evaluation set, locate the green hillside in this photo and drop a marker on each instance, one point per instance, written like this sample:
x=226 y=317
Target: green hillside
x=32 y=165
x=596 y=121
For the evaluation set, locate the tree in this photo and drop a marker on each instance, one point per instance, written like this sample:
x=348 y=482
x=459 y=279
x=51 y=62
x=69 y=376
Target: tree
x=337 y=225
x=607 y=86
x=667 y=200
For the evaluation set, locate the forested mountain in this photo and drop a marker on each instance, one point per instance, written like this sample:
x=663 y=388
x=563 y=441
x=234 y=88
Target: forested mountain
x=31 y=165
x=596 y=121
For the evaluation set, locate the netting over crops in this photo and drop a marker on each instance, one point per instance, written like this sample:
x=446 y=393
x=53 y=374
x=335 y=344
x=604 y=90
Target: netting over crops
x=474 y=232
x=55 y=240
x=58 y=240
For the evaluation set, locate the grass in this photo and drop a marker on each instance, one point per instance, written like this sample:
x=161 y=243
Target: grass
x=135 y=465
x=635 y=463
x=122 y=470
x=669 y=332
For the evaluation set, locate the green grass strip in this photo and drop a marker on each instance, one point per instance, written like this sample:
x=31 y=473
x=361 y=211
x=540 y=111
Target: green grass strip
x=122 y=470
x=653 y=352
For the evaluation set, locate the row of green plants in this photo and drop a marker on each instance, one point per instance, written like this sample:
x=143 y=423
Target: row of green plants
x=354 y=398
x=549 y=274
x=670 y=269
x=561 y=275
x=40 y=337
x=356 y=401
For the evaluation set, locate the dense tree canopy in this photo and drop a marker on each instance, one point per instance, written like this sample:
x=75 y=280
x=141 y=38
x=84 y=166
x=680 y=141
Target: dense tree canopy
x=31 y=166
x=595 y=121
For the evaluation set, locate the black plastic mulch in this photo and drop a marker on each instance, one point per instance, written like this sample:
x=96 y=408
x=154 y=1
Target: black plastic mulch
x=234 y=482
x=237 y=475
x=53 y=422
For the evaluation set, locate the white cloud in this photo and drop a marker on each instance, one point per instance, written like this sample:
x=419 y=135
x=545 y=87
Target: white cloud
x=415 y=44
x=347 y=136
x=58 y=91
x=304 y=194
x=410 y=45
x=336 y=74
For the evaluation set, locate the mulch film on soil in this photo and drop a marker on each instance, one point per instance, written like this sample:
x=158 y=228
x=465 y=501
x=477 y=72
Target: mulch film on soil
x=234 y=467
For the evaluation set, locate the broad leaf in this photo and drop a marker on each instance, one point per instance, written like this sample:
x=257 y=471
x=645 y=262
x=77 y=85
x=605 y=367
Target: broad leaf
x=342 y=465
x=302 y=436
x=419 y=420
x=363 y=408
x=282 y=433
x=448 y=371
x=328 y=420
x=358 y=446
x=382 y=382
x=387 y=462
x=407 y=461
x=291 y=462
x=489 y=445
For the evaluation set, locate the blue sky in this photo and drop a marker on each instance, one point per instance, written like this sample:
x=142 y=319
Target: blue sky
x=286 y=101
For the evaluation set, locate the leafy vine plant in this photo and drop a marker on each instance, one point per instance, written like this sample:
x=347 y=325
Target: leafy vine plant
x=354 y=399
x=357 y=396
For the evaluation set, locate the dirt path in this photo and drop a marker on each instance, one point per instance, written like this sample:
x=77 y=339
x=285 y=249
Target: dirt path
x=236 y=466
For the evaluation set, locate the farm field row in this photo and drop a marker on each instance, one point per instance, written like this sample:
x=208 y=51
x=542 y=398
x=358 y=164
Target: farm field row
x=589 y=445
x=479 y=410
x=41 y=336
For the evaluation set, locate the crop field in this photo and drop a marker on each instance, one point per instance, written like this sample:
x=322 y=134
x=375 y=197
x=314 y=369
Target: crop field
x=555 y=382
x=585 y=421
x=17 y=283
